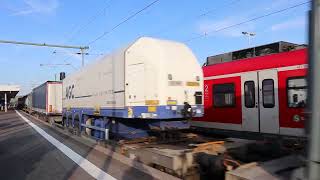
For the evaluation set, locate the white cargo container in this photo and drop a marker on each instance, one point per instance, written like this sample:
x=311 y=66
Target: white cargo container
x=151 y=79
x=148 y=72
x=47 y=98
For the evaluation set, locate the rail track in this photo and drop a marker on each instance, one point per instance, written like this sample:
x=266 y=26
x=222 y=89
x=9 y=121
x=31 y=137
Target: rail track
x=191 y=154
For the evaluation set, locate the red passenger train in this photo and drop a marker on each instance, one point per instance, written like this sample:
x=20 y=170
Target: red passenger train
x=264 y=92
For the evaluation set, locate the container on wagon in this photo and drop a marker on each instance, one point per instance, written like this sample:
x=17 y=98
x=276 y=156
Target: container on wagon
x=47 y=98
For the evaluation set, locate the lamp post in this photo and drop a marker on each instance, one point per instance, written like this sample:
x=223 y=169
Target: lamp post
x=249 y=35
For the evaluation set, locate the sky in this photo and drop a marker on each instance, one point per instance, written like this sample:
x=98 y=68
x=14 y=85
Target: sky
x=74 y=22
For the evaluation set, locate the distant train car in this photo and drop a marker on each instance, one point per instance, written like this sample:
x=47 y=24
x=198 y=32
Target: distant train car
x=21 y=102
x=28 y=101
x=266 y=92
x=149 y=85
x=46 y=99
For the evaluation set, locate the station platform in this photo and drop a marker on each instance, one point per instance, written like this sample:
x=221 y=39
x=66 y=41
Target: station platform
x=34 y=150
x=6 y=93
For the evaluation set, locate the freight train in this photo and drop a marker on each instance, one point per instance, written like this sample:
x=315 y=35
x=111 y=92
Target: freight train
x=261 y=90
x=20 y=104
x=130 y=93
x=149 y=85
x=141 y=88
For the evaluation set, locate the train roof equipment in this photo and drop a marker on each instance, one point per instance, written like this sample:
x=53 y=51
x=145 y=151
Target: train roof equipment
x=256 y=51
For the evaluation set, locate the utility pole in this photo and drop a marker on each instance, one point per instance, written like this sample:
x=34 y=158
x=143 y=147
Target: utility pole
x=82 y=48
x=314 y=89
x=249 y=35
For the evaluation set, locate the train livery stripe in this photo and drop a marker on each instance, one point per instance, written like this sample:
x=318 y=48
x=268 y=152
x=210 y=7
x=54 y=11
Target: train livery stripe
x=238 y=127
x=86 y=165
x=287 y=68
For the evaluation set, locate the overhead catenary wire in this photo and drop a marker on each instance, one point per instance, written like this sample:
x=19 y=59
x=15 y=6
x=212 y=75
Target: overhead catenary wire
x=77 y=30
x=246 y=21
x=182 y=20
x=214 y=10
x=91 y=20
x=66 y=61
x=115 y=27
x=78 y=53
x=123 y=22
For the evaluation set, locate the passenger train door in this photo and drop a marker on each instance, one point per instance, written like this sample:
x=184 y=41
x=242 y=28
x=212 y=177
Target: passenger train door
x=259 y=98
x=268 y=101
x=249 y=100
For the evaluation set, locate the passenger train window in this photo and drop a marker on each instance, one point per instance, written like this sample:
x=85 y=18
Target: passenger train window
x=224 y=95
x=249 y=94
x=297 y=92
x=268 y=93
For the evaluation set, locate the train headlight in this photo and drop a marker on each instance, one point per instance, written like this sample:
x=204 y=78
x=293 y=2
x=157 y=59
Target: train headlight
x=198 y=111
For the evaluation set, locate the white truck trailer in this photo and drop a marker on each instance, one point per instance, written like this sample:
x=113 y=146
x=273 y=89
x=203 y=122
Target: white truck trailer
x=47 y=98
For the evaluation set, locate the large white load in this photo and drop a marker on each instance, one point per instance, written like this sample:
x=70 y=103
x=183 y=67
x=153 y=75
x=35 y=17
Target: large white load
x=150 y=78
